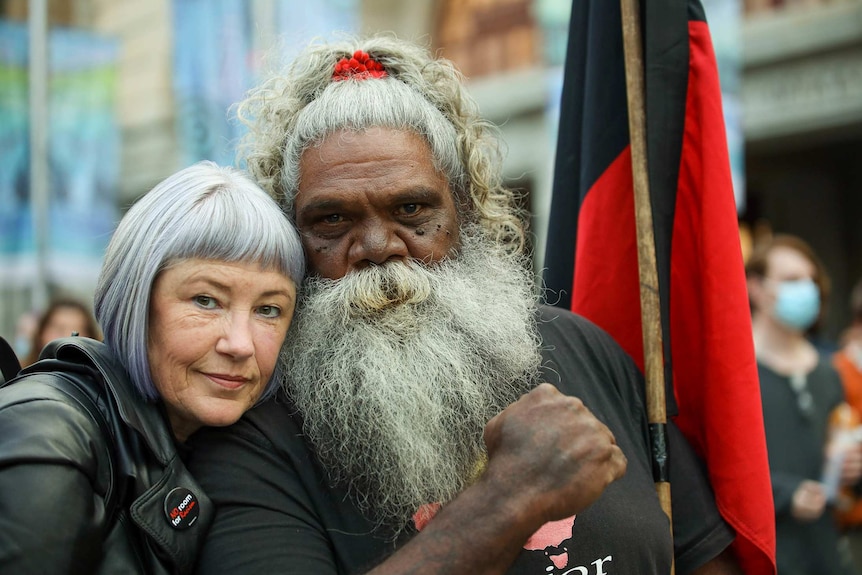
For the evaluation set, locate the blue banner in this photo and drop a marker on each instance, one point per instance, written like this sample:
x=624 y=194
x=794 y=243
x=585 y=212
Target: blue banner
x=219 y=46
x=83 y=156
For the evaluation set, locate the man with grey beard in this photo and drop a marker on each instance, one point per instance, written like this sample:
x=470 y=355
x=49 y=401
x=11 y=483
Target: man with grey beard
x=415 y=432
x=397 y=368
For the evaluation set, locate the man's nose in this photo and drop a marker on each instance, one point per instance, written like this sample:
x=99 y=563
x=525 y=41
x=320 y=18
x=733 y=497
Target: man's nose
x=377 y=244
x=237 y=340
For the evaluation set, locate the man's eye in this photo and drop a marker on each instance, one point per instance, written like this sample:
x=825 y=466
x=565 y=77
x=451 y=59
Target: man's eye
x=410 y=209
x=205 y=301
x=269 y=311
x=332 y=218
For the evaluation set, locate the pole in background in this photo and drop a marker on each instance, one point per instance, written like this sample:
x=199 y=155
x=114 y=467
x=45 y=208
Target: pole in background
x=39 y=176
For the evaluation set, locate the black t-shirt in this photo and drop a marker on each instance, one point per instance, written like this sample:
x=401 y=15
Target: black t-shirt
x=796 y=435
x=277 y=514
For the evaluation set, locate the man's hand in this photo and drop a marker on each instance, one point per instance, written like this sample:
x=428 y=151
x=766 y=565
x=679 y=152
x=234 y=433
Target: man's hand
x=809 y=501
x=549 y=450
x=548 y=459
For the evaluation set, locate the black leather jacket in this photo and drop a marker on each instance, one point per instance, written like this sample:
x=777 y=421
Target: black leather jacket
x=90 y=477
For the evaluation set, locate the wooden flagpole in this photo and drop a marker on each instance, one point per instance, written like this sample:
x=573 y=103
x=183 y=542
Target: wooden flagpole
x=648 y=275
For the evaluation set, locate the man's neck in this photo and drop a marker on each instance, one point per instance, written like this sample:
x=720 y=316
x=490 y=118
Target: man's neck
x=783 y=350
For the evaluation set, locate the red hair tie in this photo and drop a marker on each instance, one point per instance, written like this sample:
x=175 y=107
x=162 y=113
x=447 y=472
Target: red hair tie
x=360 y=67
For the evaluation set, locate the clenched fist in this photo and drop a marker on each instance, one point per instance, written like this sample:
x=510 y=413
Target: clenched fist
x=550 y=452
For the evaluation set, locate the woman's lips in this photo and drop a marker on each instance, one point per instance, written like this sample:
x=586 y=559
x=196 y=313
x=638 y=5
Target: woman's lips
x=227 y=381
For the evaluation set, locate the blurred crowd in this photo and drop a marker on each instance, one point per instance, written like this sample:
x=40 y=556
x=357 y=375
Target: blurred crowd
x=63 y=317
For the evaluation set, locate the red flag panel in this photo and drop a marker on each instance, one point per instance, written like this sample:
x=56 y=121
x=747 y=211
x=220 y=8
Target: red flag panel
x=592 y=254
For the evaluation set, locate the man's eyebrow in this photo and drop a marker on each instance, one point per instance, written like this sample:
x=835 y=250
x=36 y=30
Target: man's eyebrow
x=420 y=193
x=323 y=205
x=411 y=195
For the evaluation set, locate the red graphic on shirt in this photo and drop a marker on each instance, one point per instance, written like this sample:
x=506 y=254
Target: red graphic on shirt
x=425 y=514
x=550 y=537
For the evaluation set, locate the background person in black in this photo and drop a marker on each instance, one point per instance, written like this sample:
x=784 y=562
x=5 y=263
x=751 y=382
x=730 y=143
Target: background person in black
x=419 y=326
x=787 y=286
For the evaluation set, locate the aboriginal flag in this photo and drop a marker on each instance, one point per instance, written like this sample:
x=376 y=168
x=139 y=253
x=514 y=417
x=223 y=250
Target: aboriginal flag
x=591 y=259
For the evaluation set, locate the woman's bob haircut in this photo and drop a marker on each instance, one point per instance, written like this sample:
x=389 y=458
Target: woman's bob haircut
x=202 y=212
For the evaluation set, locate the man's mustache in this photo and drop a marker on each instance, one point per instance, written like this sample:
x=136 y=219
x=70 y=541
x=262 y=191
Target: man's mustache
x=377 y=288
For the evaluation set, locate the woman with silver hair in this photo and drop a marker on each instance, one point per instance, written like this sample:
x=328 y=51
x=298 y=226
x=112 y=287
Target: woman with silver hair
x=195 y=298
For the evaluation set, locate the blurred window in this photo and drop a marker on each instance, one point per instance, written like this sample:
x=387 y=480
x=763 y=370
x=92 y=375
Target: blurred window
x=488 y=36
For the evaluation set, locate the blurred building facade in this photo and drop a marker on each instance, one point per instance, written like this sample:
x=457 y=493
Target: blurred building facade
x=802 y=119
x=800 y=99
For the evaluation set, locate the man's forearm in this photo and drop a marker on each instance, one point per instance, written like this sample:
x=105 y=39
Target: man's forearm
x=549 y=458
x=478 y=533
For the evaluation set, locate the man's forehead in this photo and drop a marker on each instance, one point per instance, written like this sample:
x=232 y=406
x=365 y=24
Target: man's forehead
x=373 y=161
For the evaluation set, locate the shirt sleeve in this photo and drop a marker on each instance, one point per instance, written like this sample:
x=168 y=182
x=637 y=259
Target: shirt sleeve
x=700 y=533
x=592 y=359
x=265 y=522
x=784 y=485
x=52 y=513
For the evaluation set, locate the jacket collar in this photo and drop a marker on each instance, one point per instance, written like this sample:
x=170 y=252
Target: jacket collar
x=168 y=509
x=140 y=415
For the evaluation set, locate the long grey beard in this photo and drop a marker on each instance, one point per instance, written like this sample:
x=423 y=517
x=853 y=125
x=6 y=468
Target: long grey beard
x=397 y=368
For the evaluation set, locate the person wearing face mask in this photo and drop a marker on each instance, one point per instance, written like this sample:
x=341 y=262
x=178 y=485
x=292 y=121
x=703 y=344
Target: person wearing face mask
x=801 y=392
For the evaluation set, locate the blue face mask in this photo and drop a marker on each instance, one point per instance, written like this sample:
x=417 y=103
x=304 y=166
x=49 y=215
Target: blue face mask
x=798 y=304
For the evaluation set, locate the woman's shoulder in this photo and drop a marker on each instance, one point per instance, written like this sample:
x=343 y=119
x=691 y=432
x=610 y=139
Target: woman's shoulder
x=43 y=420
x=54 y=411
x=56 y=391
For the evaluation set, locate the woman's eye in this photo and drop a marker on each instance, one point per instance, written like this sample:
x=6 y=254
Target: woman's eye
x=205 y=301
x=269 y=311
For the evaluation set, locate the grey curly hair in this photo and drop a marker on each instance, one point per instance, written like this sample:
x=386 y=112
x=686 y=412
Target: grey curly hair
x=297 y=108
